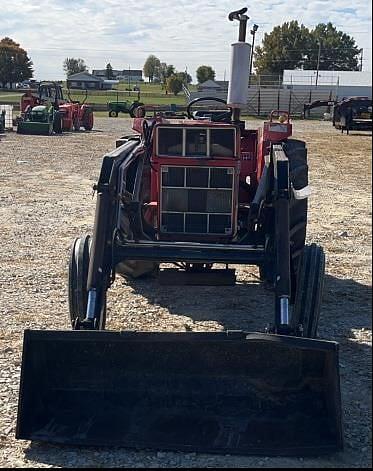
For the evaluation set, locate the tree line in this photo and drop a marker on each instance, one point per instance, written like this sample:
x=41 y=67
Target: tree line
x=169 y=78
x=156 y=71
x=294 y=46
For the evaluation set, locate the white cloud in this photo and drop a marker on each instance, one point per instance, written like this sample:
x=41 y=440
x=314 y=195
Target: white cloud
x=184 y=33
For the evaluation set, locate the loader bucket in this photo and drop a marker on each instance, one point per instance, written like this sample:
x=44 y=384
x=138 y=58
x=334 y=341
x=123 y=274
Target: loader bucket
x=35 y=128
x=220 y=392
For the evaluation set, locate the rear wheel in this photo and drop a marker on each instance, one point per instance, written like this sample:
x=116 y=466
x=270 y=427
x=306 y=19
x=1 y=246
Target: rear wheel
x=296 y=152
x=76 y=124
x=310 y=283
x=88 y=120
x=133 y=108
x=113 y=114
x=77 y=283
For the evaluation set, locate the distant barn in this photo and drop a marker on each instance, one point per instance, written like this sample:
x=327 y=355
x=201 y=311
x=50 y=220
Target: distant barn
x=86 y=81
x=125 y=75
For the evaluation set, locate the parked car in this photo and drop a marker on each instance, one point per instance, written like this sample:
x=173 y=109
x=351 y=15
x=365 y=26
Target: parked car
x=23 y=85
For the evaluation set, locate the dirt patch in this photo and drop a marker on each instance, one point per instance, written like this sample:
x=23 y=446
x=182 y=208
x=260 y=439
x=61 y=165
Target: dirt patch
x=46 y=201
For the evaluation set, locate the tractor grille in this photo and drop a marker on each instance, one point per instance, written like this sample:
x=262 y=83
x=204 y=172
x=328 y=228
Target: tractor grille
x=197 y=200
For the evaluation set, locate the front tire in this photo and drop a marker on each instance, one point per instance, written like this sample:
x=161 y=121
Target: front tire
x=57 y=123
x=310 y=283
x=77 y=284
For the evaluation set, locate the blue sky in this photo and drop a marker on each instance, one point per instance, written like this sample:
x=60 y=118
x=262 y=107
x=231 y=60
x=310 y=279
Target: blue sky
x=186 y=33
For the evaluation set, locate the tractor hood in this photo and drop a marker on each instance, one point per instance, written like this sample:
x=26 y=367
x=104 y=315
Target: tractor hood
x=39 y=108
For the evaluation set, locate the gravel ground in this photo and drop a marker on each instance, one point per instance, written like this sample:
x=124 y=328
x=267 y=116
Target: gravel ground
x=46 y=201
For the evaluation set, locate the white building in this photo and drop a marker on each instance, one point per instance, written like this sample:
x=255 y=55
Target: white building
x=343 y=83
x=124 y=75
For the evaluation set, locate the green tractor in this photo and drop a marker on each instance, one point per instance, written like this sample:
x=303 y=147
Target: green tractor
x=41 y=119
x=116 y=107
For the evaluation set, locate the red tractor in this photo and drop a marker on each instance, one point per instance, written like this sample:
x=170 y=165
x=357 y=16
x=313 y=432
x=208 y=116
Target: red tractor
x=195 y=193
x=49 y=111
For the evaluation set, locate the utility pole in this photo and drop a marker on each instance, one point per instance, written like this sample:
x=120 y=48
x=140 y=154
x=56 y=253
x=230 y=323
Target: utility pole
x=252 y=32
x=318 y=63
x=129 y=80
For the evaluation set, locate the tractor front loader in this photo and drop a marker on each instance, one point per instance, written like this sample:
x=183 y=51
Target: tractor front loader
x=193 y=192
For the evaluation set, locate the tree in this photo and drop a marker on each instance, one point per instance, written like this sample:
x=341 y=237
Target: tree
x=109 y=72
x=165 y=71
x=15 y=65
x=284 y=48
x=152 y=67
x=184 y=77
x=174 y=84
x=204 y=73
x=73 y=66
x=338 y=51
x=293 y=46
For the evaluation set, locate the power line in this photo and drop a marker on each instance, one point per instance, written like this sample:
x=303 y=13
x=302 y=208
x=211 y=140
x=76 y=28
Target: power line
x=66 y=49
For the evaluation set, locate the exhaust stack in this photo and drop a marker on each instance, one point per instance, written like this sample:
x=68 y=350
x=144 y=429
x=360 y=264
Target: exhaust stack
x=240 y=64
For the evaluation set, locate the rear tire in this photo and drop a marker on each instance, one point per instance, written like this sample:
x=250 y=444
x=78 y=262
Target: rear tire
x=296 y=152
x=76 y=124
x=133 y=108
x=88 y=120
x=113 y=114
x=77 y=283
x=310 y=283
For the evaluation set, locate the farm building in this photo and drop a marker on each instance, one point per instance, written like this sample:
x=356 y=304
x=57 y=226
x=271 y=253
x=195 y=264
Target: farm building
x=293 y=90
x=86 y=81
x=343 y=83
x=209 y=86
x=124 y=75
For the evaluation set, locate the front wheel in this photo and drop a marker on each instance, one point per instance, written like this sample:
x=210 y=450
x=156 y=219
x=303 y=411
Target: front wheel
x=113 y=114
x=57 y=122
x=77 y=284
x=310 y=283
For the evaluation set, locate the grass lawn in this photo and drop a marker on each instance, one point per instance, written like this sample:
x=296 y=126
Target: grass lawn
x=9 y=98
x=147 y=97
x=152 y=95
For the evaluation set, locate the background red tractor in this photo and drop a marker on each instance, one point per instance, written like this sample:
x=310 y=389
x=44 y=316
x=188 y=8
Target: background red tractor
x=48 y=111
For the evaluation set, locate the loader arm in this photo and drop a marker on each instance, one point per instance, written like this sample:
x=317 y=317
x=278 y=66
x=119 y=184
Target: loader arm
x=100 y=265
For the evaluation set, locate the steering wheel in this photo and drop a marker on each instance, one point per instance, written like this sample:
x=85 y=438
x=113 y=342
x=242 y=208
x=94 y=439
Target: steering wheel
x=196 y=100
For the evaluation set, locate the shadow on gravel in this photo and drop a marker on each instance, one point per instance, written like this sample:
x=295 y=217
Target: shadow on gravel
x=346 y=304
x=248 y=306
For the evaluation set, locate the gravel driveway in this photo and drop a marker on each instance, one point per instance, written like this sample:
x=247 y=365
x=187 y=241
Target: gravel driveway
x=46 y=201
